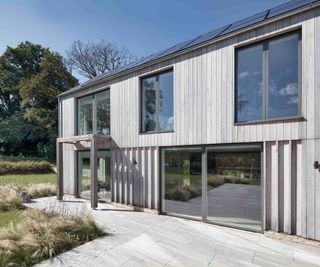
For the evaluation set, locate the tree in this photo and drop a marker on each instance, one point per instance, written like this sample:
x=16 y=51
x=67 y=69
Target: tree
x=39 y=92
x=92 y=59
x=31 y=77
x=16 y=64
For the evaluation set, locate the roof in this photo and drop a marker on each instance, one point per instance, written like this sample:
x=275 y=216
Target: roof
x=194 y=42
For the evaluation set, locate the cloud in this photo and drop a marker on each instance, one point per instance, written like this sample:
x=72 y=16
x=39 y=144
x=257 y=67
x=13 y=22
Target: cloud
x=292 y=100
x=290 y=89
x=245 y=74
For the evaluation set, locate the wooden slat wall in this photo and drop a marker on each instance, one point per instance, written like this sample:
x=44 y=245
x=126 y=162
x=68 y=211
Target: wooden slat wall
x=68 y=150
x=283 y=161
x=135 y=174
x=292 y=187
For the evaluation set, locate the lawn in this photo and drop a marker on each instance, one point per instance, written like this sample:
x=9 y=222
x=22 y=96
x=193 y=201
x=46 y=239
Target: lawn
x=6 y=217
x=25 y=179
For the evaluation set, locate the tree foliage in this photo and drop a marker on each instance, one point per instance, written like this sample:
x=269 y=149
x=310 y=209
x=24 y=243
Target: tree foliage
x=31 y=77
x=91 y=59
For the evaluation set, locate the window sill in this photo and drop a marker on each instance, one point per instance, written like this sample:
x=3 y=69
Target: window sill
x=277 y=120
x=156 y=132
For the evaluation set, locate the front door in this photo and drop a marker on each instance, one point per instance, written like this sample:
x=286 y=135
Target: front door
x=84 y=175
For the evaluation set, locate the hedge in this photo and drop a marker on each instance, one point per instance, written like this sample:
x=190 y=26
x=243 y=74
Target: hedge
x=24 y=167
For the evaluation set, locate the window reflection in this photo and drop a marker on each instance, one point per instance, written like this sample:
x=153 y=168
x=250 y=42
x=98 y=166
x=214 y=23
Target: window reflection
x=103 y=113
x=166 y=101
x=283 y=77
x=234 y=188
x=182 y=182
x=94 y=114
x=149 y=91
x=157 y=102
x=249 y=88
x=268 y=79
x=85 y=110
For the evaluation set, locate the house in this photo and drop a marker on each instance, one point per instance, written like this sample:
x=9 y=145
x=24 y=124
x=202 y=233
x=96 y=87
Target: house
x=223 y=128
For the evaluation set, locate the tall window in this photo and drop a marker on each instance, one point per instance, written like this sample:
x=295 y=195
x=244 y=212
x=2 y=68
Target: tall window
x=157 y=102
x=268 y=80
x=94 y=114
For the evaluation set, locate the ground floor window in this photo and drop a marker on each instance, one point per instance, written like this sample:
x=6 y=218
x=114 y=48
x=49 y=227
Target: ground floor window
x=84 y=174
x=230 y=176
x=182 y=181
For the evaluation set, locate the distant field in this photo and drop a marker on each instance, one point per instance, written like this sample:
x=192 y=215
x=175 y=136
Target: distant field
x=25 y=179
x=7 y=217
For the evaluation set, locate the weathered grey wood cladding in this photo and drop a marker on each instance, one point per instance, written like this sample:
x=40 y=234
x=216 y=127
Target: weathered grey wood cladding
x=135 y=173
x=204 y=85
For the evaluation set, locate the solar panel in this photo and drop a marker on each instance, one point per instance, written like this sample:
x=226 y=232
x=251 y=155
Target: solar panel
x=245 y=23
x=175 y=48
x=289 y=6
x=206 y=37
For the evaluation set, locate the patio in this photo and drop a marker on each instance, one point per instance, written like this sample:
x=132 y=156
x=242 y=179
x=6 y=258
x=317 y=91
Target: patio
x=142 y=239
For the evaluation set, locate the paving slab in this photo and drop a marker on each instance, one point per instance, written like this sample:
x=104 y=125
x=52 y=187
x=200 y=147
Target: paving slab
x=142 y=239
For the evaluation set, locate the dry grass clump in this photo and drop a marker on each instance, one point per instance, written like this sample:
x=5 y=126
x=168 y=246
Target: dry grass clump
x=40 y=236
x=41 y=190
x=10 y=194
x=9 y=199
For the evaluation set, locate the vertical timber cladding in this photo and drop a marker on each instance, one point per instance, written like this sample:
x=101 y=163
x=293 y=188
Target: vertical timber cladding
x=135 y=176
x=287 y=180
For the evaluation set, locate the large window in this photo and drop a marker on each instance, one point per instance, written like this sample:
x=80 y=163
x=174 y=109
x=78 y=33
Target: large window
x=157 y=102
x=219 y=184
x=268 y=80
x=181 y=172
x=94 y=114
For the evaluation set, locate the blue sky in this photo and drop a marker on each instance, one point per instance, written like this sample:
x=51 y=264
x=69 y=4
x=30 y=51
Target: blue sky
x=142 y=26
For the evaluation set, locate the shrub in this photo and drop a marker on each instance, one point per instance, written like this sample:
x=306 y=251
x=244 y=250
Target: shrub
x=40 y=236
x=183 y=193
x=9 y=199
x=24 y=167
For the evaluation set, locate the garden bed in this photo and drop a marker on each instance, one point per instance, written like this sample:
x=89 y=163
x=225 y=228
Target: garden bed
x=39 y=236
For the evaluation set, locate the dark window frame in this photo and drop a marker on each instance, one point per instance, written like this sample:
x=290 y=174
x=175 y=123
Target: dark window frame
x=94 y=111
x=265 y=81
x=142 y=102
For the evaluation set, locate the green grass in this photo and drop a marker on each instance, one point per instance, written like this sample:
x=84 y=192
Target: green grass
x=25 y=179
x=6 y=217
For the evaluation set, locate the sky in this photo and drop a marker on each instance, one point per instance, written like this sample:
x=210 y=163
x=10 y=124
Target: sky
x=142 y=26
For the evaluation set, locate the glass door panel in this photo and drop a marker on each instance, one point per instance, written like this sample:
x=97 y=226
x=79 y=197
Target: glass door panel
x=234 y=186
x=84 y=174
x=181 y=181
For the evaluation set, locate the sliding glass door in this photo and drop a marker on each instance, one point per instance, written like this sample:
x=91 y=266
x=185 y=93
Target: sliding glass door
x=234 y=186
x=181 y=172
x=84 y=174
x=229 y=175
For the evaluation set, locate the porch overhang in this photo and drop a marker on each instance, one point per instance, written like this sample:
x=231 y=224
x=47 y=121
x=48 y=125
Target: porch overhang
x=95 y=140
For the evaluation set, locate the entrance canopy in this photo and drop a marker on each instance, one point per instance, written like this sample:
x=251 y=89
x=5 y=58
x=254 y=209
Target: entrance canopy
x=95 y=141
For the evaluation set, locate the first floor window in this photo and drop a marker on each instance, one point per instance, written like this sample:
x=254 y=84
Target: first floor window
x=94 y=114
x=268 y=80
x=157 y=102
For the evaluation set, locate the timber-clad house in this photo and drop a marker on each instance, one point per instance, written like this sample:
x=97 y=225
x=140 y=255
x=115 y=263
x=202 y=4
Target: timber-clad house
x=223 y=128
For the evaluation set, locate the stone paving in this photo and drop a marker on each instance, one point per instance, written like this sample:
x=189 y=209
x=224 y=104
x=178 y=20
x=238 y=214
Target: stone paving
x=142 y=239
